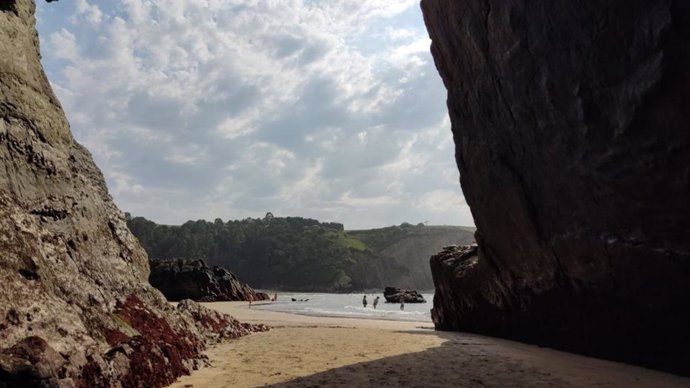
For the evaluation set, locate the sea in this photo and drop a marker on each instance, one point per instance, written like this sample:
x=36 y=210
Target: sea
x=348 y=306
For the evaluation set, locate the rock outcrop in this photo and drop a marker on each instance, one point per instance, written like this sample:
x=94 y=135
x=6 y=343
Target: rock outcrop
x=193 y=279
x=397 y=295
x=76 y=309
x=572 y=134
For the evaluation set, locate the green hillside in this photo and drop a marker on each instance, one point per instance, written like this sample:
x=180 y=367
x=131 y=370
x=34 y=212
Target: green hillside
x=300 y=254
x=408 y=247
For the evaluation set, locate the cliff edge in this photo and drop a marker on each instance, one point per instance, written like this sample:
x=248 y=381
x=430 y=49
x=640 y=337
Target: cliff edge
x=572 y=133
x=76 y=309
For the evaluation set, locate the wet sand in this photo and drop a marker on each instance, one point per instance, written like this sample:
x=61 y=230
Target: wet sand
x=304 y=351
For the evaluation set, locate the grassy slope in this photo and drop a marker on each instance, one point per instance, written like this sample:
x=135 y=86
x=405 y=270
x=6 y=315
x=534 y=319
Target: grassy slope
x=410 y=248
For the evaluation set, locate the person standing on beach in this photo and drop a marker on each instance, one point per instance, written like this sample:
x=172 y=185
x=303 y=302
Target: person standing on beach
x=402 y=305
x=376 y=301
x=364 y=301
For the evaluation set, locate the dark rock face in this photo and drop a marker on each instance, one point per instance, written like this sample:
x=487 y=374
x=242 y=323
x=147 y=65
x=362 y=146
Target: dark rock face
x=572 y=134
x=193 y=279
x=397 y=295
x=75 y=305
x=31 y=362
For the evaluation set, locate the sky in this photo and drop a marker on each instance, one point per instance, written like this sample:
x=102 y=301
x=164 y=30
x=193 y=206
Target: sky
x=205 y=109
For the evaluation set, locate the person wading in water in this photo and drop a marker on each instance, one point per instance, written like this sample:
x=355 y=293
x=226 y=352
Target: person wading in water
x=364 y=301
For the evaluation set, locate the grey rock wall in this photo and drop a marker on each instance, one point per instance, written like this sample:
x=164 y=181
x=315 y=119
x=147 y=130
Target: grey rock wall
x=572 y=134
x=73 y=279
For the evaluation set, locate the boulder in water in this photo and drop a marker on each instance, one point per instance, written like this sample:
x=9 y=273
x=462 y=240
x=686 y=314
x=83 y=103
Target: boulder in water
x=397 y=295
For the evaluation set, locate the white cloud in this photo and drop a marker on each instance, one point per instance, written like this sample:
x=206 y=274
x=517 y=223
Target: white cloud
x=229 y=108
x=64 y=46
x=89 y=12
x=442 y=200
x=381 y=200
x=400 y=33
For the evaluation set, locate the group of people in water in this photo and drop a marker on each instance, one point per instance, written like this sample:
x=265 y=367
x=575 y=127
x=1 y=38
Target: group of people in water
x=364 y=301
x=376 y=302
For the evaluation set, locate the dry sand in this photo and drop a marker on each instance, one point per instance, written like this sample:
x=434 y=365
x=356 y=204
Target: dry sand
x=303 y=351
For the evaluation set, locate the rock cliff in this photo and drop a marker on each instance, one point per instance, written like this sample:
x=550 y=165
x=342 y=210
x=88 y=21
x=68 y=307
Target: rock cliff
x=572 y=134
x=193 y=279
x=75 y=305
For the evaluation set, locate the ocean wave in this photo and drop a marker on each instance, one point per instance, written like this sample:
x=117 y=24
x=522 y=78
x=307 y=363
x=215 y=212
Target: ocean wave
x=370 y=310
x=360 y=311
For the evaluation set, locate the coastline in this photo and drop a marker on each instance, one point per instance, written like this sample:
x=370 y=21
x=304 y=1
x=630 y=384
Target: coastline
x=348 y=306
x=281 y=319
x=303 y=350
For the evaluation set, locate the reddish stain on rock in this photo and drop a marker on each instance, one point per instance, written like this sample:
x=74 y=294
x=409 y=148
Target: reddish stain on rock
x=91 y=375
x=159 y=352
x=115 y=337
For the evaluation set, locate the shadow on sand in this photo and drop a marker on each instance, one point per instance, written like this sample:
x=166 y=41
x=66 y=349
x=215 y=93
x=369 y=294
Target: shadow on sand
x=466 y=360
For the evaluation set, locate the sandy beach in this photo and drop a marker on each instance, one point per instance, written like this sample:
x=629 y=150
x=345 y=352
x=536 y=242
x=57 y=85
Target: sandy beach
x=304 y=351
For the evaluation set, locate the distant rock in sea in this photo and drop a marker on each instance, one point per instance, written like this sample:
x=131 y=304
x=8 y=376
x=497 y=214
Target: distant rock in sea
x=181 y=279
x=571 y=125
x=397 y=295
